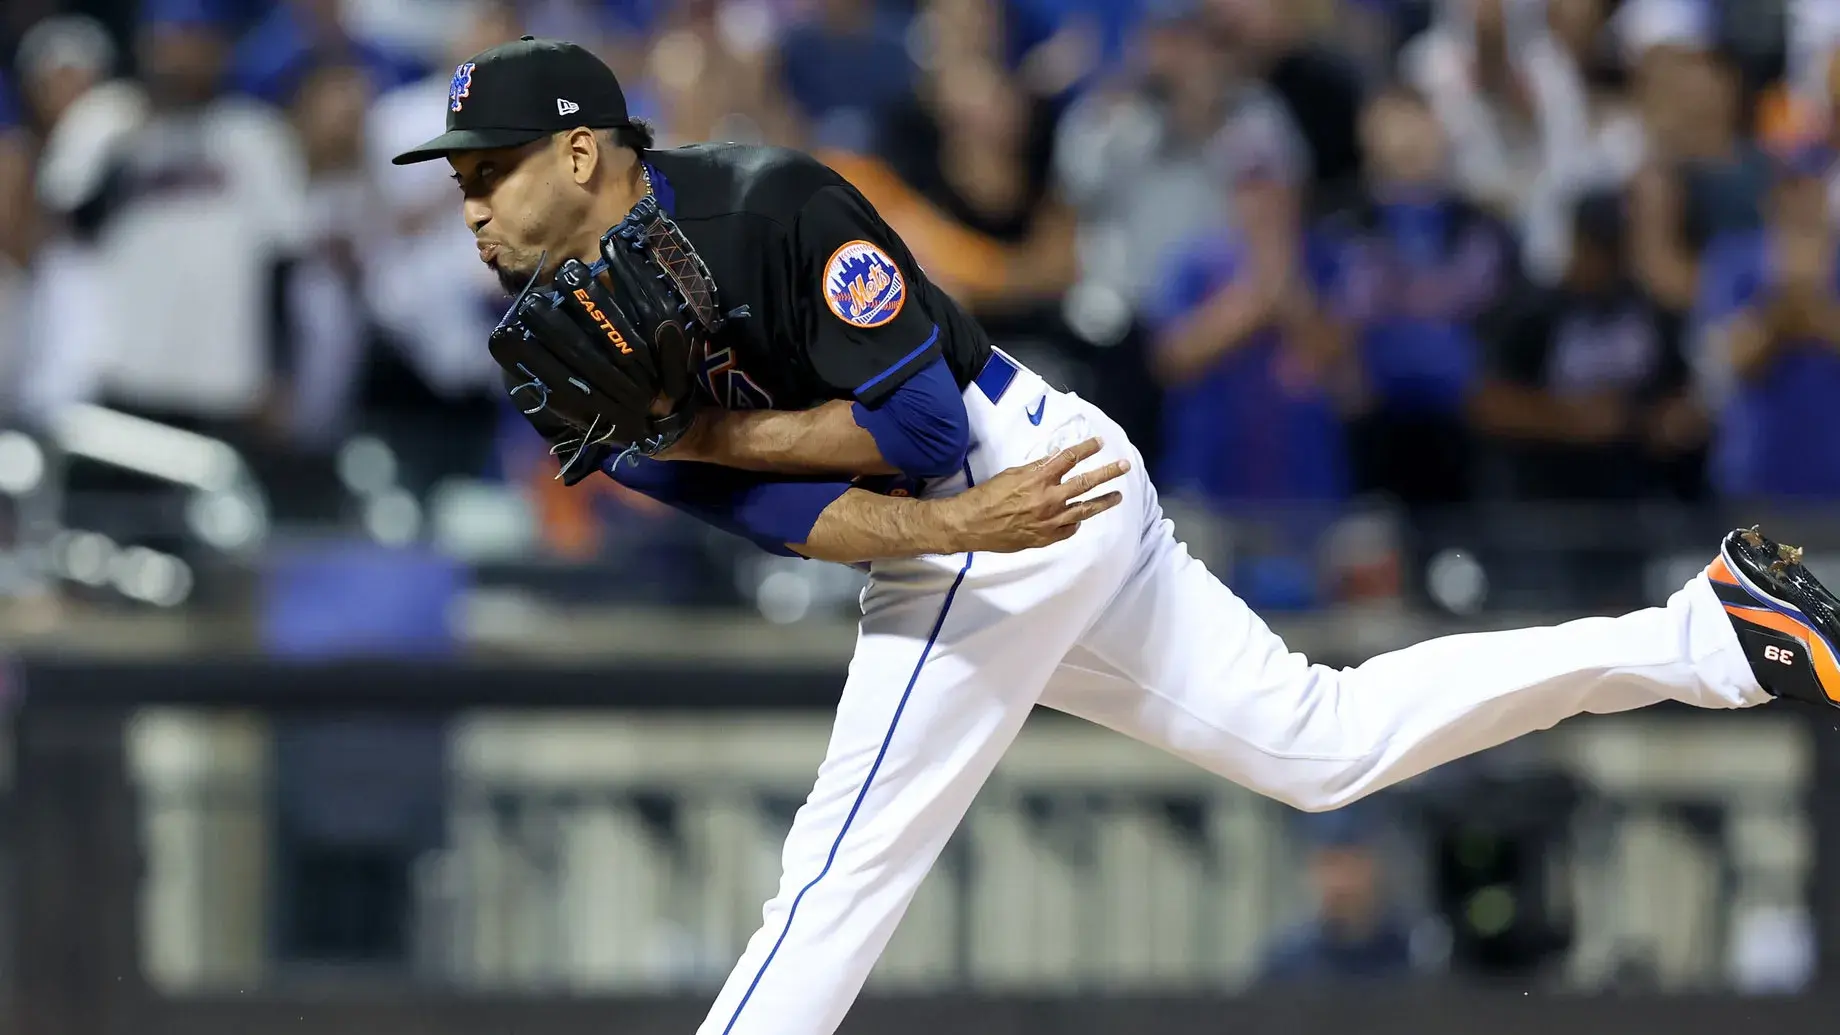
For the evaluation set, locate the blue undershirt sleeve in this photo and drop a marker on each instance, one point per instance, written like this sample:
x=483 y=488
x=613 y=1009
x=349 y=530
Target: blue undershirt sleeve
x=766 y=509
x=921 y=428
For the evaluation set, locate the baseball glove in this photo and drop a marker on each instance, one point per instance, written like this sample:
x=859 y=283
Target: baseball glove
x=600 y=361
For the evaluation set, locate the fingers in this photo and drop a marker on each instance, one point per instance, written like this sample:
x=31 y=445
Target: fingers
x=1069 y=523
x=1077 y=513
x=1080 y=485
x=1059 y=464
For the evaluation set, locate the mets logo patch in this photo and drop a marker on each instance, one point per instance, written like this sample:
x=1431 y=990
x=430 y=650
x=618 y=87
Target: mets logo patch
x=460 y=87
x=863 y=285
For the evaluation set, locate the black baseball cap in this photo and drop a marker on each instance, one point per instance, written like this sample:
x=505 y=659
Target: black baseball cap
x=522 y=91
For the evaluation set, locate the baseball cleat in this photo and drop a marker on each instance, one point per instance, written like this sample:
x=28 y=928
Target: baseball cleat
x=1786 y=620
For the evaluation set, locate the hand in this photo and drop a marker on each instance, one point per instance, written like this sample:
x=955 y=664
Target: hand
x=1805 y=262
x=1428 y=294
x=693 y=444
x=1297 y=304
x=1793 y=312
x=1677 y=425
x=1030 y=506
x=1597 y=419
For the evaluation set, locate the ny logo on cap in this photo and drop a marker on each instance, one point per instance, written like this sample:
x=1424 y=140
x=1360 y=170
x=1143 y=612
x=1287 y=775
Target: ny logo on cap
x=460 y=87
x=566 y=107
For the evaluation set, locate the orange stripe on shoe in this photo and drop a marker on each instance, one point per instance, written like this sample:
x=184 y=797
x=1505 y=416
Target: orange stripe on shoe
x=1717 y=571
x=1826 y=665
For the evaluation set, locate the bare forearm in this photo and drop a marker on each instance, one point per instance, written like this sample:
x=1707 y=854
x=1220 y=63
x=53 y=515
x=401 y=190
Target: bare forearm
x=1219 y=328
x=1022 y=508
x=1826 y=320
x=1662 y=262
x=866 y=526
x=17 y=212
x=1316 y=335
x=1046 y=265
x=1751 y=340
x=1254 y=301
x=822 y=440
x=1665 y=267
x=1523 y=413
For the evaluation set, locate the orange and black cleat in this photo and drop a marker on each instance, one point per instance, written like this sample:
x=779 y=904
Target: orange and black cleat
x=1787 y=621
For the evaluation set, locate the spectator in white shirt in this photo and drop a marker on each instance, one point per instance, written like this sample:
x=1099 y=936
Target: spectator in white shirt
x=65 y=66
x=423 y=281
x=192 y=208
x=327 y=323
x=1527 y=138
x=429 y=385
x=1145 y=164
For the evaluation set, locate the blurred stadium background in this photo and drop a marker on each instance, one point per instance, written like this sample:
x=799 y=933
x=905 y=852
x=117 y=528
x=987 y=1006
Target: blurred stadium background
x=326 y=710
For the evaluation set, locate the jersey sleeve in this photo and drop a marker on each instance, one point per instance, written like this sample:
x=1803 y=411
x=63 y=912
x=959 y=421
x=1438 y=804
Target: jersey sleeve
x=866 y=331
x=768 y=510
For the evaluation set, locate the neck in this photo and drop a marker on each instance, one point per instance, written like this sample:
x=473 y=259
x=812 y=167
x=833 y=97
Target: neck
x=625 y=189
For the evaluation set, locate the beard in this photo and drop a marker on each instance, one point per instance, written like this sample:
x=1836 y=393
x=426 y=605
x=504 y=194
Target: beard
x=511 y=280
x=514 y=270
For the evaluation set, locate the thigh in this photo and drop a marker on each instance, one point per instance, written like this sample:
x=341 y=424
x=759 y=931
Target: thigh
x=1089 y=687
x=952 y=655
x=1180 y=662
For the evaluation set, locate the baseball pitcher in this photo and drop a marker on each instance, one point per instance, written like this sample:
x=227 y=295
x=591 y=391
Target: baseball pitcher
x=734 y=331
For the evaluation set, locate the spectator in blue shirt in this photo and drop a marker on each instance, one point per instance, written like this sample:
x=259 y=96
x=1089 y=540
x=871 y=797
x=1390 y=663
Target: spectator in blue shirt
x=842 y=66
x=1062 y=45
x=1254 y=417
x=1769 y=314
x=301 y=35
x=1356 y=933
x=1702 y=178
x=1414 y=266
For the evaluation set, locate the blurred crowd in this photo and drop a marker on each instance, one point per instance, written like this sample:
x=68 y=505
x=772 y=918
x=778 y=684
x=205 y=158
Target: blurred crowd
x=1437 y=252
x=1434 y=251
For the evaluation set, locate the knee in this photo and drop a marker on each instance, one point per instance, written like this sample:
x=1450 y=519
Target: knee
x=1328 y=800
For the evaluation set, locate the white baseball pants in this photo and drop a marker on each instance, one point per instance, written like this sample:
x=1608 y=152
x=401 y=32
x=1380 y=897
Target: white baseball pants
x=1119 y=625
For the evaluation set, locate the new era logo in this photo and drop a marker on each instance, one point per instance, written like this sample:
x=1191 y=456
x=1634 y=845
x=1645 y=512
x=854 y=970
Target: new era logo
x=566 y=107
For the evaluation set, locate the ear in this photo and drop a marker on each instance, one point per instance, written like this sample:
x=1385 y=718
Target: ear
x=584 y=154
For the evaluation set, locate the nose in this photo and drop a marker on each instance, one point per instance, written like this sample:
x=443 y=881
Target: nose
x=476 y=213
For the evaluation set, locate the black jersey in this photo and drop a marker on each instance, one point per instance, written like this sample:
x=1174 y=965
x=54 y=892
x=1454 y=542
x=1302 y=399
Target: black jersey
x=836 y=307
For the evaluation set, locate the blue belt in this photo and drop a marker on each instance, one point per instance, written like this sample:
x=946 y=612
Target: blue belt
x=999 y=370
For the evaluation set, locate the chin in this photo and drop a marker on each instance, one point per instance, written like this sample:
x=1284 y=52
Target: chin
x=512 y=281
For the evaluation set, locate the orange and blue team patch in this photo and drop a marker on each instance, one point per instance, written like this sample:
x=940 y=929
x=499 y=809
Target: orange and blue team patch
x=460 y=87
x=863 y=285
